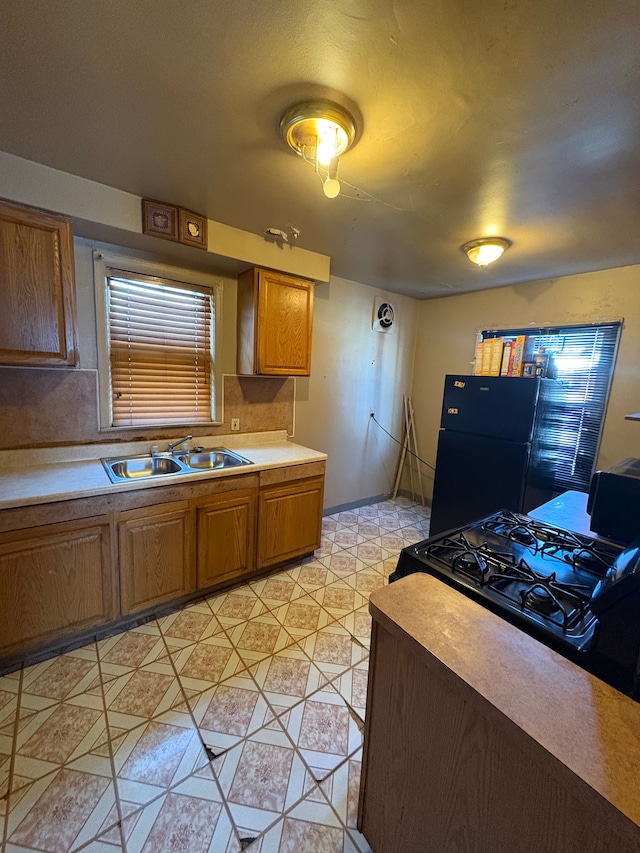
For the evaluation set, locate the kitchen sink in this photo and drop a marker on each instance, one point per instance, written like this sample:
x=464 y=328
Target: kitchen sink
x=146 y=466
x=217 y=457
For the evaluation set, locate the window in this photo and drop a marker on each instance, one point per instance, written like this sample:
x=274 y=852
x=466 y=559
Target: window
x=156 y=362
x=584 y=358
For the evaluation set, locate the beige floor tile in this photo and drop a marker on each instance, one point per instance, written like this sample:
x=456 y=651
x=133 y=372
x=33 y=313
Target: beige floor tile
x=366 y=582
x=229 y=712
x=287 y=678
x=260 y=638
x=416 y=532
x=151 y=759
x=310 y=827
x=358 y=624
x=205 y=664
x=368 y=528
x=189 y=818
x=261 y=778
x=278 y=589
x=339 y=598
x=191 y=624
x=302 y=617
x=352 y=686
x=134 y=648
x=236 y=606
x=369 y=553
x=343 y=564
x=64 y=810
x=347 y=517
x=333 y=650
x=386 y=567
x=312 y=575
x=63 y=676
x=140 y=695
x=346 y=537
x=323 y=731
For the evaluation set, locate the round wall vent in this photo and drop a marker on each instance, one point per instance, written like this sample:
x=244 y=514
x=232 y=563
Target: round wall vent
x=383 y=315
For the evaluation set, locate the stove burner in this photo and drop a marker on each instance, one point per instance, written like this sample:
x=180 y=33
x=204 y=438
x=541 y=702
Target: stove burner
x=470 y=563
x=522 y=535
x=586 y=558
x=540 y=599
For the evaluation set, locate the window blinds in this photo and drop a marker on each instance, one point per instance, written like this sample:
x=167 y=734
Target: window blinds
x=160 y=338
x=585 y=358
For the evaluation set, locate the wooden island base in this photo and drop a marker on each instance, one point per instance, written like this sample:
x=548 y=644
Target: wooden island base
x=479 y=739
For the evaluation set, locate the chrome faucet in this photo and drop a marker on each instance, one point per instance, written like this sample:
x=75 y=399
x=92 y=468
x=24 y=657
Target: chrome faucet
x=174 y=444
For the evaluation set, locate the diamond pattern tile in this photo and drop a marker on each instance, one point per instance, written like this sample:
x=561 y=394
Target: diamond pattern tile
x=232 y=723
x=261 y=778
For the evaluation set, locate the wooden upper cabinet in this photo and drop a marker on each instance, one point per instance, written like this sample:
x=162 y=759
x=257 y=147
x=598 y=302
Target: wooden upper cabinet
x=275 y=317
x=37 y=288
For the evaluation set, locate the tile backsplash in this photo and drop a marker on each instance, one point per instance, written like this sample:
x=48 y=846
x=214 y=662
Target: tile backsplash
x=42 y=407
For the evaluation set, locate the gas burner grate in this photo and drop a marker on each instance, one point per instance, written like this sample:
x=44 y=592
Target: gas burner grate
x=560 y=603
x=581 y=552
x=463 y=557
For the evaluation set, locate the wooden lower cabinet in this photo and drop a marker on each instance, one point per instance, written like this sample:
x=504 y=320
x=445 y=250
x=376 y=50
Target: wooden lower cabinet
x=226 y=537
x=289 y=520
x=155 y=555
x=55 y=581
x=145 y=549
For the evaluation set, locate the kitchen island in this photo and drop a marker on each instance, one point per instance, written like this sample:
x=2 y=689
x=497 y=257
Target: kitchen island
x=479 y=739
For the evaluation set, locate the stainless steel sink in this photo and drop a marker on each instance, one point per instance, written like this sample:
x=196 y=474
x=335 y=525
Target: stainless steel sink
x=141 y=467
x=127 y=468
x=216 y=457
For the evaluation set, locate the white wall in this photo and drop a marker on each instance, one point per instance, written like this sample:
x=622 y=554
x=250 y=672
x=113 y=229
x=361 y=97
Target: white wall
x=447 y=329
x=355 y=369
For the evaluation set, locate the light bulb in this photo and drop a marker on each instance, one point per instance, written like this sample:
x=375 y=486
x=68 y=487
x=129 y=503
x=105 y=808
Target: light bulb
x=486 y=250
x=327 y=142
x=331 y=187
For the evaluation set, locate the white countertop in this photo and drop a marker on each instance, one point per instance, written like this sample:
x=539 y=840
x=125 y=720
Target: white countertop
x=44 y=475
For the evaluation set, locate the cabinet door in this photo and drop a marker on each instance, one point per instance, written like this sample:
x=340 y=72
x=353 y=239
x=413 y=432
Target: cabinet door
x=37 y=279
x=226 y=537
x=289 y=521
x=156 y=562
x=54 y=581
x=285 y=316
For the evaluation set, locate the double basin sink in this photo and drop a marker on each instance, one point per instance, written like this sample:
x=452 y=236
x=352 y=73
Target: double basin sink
x=127 y=468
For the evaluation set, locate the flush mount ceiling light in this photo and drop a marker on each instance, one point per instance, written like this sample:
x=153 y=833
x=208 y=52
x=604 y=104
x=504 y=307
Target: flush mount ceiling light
x=320 y=132
x=486 y=250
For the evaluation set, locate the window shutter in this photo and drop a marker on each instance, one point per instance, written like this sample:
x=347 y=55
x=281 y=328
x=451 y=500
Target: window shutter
x=160 y=352
x=585 y=358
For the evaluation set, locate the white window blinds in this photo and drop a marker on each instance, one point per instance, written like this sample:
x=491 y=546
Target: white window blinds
x=584 y=357
x=160 y=349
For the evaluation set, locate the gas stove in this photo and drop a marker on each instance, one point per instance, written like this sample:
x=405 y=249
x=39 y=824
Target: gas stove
x=556 y=585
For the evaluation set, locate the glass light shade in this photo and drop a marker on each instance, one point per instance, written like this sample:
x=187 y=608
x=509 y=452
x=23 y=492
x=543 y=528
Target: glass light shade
x=486 y=250
x=318 y=130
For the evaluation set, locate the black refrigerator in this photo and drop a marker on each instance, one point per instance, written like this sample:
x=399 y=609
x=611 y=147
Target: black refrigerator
x=490 y=449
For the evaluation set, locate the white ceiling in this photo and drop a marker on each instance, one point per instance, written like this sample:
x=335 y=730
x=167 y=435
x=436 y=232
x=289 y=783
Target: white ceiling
x=476 y=117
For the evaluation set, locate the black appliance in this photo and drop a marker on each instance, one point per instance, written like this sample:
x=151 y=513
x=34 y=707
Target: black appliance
x=490 y=448
x=577 y=595
x=614 y=501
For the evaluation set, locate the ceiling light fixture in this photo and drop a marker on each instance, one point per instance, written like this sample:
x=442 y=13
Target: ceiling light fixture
x=320 y=132
x=486 y=250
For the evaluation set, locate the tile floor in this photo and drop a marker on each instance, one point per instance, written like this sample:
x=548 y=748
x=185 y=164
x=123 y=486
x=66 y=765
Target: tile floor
x=232 y=724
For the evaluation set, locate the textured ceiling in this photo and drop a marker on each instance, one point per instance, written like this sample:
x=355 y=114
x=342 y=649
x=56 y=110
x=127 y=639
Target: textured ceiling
x=476 y=117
